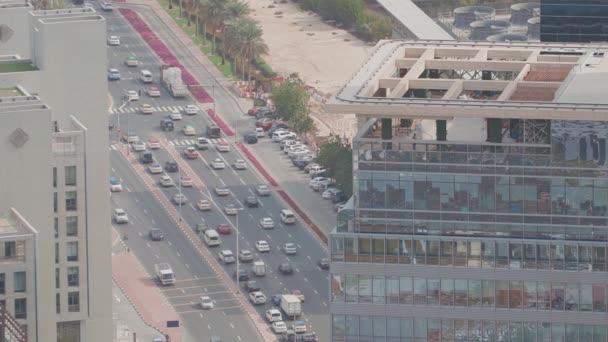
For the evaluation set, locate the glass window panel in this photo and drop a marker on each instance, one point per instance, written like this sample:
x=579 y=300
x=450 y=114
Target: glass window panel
x=433 y=332
x=337 y=288
x=487 y=254
x=365 y=250
x=447 y=292
x=572 y=332
x=571 y=257
x=70 y=175
x=71 y=200
x=502 y=331
x=600 y=333
x=379 y=326
x=515 y=255
x=487 y=288
x=366 y=327
x=460 y=256
x=460 y=292
x=502 y=254
x=557 y=256
x=529 y=256
x=420 y=329
x=474 y=259
x=352 y=288
x=447 y=253
x=433 y=252
x=502 y=293
x=529 y=332
x=447 y=330
x=406 y=249
x=474 y=296
x=516 y=331
x=515 y=294
x=365 y=289
x=599 y=298
x=433 y=287
x=71 y=225
x=392 y=290
x=489 y=331
x=393 y=326
x=350 y=249
x=571 y=297
x=378 y=250
x=584 y=258
x=19 y=282
x=337 y=248
x=338 y=328
x=557 y=296
x=475 y=331
x=406 y=293
x=419 y=252
x=529 y=295
x=392 y=251
x=544 y=257
x=586 y=299
x=352 y=326
x=420 y=291
x=407 y=328
x=543 y=292
x=460 y=330
x=585 y=333
x=599 y=258
x=379 y=289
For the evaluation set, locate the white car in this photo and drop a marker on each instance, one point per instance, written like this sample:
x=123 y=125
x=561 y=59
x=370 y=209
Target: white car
x=279 y=327
x=155 y=168
x=259 y=132
x=191 y=109
x=231 y=209
x=317 y=180
x=138 y=146
x=186 y=180
x=120 y=216
x=146 y=109
x=165 y=181
x=107 y=6
x=132 y=95
x=262 y=246
x=222 y=146
x=222 y=190
x=266 y=223
x=227 y=257
x=274 y=315
x=240 y=164
x=217 y=164
x=206 y=303
x=293 y=147
x=257 y=298
x=298 y=152
x=113 y=41
x=290 y=248
x=180 y=199
x=174 y=115
x=327 y=194
x=189 y=130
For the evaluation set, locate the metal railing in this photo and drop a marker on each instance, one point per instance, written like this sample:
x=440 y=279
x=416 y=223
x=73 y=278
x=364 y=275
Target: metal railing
x=10 y=329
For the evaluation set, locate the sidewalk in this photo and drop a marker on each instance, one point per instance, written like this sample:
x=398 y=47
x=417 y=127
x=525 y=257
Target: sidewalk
x=127 y=322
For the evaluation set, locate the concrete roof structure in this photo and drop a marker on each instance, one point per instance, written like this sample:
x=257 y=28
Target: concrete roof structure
x=479 y=79
x=415 y=20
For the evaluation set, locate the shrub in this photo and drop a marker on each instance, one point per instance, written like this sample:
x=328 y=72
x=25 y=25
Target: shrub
x=371 y=26
x=265 y=69
x=309 y=5
x=349 y=11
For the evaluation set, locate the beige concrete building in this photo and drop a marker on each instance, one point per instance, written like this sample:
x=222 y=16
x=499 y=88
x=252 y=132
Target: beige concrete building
x=53 y=147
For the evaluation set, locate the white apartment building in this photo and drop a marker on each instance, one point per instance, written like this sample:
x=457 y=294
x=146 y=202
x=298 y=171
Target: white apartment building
x=54 y=173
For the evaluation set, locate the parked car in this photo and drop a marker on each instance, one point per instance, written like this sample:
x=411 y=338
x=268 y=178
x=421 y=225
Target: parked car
x=120 y=216
x=138 y=146
x=223 y=229
x=206 y=303
x=262 y=190
x=252 y=286
x=175 y=115
x=276 y=299
x=190 y=153
x=132 y=95
x=231 y=209
x=285 y=268
x=107 y=6
x=253 y=110
x=262 y=246
x=113 y=75
x=273 y=315
x=251 y=201
x=264 y=123
x=145 y=108
x=131 y=61
x=226 y=256
x=203 y=205
x=299 y=327
x=115 y=184
x=222 y=146
x=186 y=180
x=239 y=164
x=250 y=138
x=202 y=143
x=189 y=130
x=279 y=327
x=156 y=234
x=328 y=193
x=259 y=132
x=241 y=274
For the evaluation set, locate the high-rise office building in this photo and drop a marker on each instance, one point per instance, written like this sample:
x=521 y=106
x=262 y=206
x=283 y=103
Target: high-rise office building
x=581 y=21
x=480 y=206
x=55 y=271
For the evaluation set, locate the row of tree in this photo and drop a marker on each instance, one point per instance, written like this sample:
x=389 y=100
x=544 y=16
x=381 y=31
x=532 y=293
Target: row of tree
x=240 y=35
x=352 y=14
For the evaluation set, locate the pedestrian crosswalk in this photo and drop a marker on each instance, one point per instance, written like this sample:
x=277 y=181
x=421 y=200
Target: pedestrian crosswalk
x=179 y=142
x=136 y=109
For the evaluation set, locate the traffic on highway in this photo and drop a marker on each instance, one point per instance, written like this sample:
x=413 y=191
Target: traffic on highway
x=167 y=143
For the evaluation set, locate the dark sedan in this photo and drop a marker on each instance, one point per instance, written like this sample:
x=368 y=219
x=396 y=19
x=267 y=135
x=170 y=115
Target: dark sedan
x=251 y=201
x=171 y=166
x=285 y=268
x=156 y=235
x=324 y=264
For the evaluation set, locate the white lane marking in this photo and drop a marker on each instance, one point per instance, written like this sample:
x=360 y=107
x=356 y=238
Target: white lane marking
x=178 y=254
x=324 y=304
x=208 y=327
x=308 y=256
x=306 y=279
x=316 y=292
x=148 y=244
x=187 y=266
x=239 y=337
x=145 y=211
x=231 y=325
x=156 y=256
x=169 y=242
x=153 y=222
x=223 y=313
x=128 y=190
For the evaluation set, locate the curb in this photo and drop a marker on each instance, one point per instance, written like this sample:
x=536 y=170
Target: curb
x=221 y=123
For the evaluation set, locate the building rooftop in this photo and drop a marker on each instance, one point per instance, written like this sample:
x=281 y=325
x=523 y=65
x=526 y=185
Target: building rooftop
x=12 y=223
x=479 y=79
x=415 y=20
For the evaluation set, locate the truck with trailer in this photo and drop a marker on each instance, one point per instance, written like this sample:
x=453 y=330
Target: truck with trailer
x=291 y=305
x=171 y=78
x=165 y=273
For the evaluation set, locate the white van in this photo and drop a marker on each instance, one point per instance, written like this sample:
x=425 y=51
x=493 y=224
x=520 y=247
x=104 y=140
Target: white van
x=212 y=238
x=145 y=76
x=287 y=217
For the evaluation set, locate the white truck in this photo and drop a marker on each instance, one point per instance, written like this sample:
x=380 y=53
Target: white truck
x=164 y=273
x=171 y=78
x=291 y=305
x=259 y=268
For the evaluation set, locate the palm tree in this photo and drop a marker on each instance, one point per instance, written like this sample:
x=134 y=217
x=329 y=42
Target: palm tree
x=252 y=43
x=216 y=12
x=234 y=9
x=233 y=41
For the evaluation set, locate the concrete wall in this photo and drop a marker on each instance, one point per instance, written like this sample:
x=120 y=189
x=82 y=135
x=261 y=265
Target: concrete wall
x=17 y=19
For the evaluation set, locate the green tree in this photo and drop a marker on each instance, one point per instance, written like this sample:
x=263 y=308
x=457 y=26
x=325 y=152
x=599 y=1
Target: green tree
x=373 y=27
x=327 y=9
x=290 y=99
x=337 y=157
x=349 y=11
x=216 y=12
x=302 y=123
x=243 y=41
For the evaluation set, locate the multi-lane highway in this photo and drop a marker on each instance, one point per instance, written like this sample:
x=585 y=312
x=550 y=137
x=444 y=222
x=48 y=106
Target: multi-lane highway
x=194 y=276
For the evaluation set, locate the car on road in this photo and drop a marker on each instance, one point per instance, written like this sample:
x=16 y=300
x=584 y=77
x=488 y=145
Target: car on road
x=146 y=108
x=328 y=193
x=231 y=209
x=165 y=181
x=222 y=190
x=155 y=168
x=250 y=138
x=113 y=75
x=223 y=229
x=245 y=255
x=171 y=166
x=222 y=146
x=202 y=143
x=179 y=199
x=262 y=246
x=206 y=303
x=218 y=164
x=298 y=294
x=189 y=130
x=239 y=164
x=251 y=201
x=138 y=146
x=290 y=248
x=132 y=61
x=132 y=95
x=153 y=91
x=323 y=263
x=153 y=143
x=276 y=299
x=174 y=115
x=191 y=109
x=299 y=327
x=107 y=6
x=156 y=234
x=279 y=327
x=266 y=223
x=190 y=153
x=273 y=315
x=241 y=274
x=257 y=298
x=130 y=137
x=203 y=205
x=285 y=268
x=227 y=257
x=252 y=286
x=120 y=216
x=113 y=40
x=115 y=184
x=262 y=190
x=186 y=180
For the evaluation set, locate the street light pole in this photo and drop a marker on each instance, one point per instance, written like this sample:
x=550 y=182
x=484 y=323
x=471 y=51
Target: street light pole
x=179 y=203
x=238 y=271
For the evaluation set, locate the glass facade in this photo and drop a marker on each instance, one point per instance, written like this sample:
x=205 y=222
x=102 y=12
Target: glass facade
x=580 y=21
x=507 y=228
